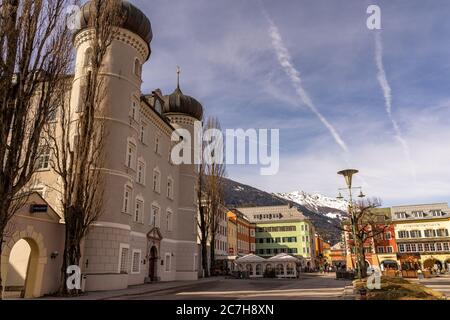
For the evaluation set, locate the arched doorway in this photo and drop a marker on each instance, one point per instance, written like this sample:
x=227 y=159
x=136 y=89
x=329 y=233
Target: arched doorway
x=23 y=272
x=153 y=264
x=430 y=264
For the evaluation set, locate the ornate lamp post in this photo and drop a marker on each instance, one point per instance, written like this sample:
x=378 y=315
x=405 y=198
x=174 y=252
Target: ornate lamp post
x=348 y=175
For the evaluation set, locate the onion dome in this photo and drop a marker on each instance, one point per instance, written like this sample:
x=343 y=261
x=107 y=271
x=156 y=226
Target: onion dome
x=177 y=102
x=133 y=19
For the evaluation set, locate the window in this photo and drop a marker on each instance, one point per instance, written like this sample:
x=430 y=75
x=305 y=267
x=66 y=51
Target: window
x=436 y=213
x=139 y=209
x=415 y=233
x=141 y=172
x=442 y=232
x=136 y=262
x=400 y=215
x=88 y=58
x=156 y=180
x=420 y=247
x=82 y=97
x=389 y=249
x=403 y=234
x=123 y=262
x=157 y=146
x=169 y=220
x=155 y=216
x=401 y=247
x=168 y=261
x=445 y=246
x=380 y=250
x=387 y=236
x=131 y=155
x=417 y=214
x=429 y=233
x=137 y=70
x=43 y=159
x=134 y=110
x=143 y=133
x=126 y=199
x=169 y=188
x=438 y=246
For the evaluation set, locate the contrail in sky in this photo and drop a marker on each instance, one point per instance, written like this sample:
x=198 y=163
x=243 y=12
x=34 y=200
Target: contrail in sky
x=384 y=84
x=285 y=60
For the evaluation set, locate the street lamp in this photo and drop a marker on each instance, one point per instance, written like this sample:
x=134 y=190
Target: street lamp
x=348 y=175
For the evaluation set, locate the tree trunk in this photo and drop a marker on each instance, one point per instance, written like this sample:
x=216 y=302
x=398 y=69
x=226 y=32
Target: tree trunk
x=205 y=257
x=212 y=253
x=1 y=251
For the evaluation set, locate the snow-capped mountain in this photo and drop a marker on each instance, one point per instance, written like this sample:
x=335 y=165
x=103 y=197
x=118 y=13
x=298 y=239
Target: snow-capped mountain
x=330 y=207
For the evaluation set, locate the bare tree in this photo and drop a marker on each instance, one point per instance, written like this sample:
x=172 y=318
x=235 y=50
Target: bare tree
x=210 y=194
x=35 y=54
x=369 y=224
x=78 y=139
x=214 y=188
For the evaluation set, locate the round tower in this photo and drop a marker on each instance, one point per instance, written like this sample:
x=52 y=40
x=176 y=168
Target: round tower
x=187 y=113
x=121 y=72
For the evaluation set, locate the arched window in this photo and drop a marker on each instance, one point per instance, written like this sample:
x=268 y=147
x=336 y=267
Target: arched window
x=279 y=269
x=169 y=220
x=155 y=215
x=139 y=210
x=130 y=160
x=137 y=67
x=88 y=57
x=170 y=188
x=141 y=171
x=156 y=180
x=127 y=198
x=290 y=268
x=258 y=269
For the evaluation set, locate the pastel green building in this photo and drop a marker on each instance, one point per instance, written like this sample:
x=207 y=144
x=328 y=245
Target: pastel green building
x=282 y=229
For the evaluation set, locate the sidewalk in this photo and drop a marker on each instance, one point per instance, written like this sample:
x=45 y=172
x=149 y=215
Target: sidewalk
x=137 y=290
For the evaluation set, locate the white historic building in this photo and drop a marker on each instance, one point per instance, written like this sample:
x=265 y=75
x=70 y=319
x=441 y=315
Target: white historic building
x=147 y=231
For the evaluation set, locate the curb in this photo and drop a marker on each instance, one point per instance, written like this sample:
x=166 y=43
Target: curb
x=157 y=290
x=349 y=293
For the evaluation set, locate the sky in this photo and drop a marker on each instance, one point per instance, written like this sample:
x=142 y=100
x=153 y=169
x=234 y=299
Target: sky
x=340 y=94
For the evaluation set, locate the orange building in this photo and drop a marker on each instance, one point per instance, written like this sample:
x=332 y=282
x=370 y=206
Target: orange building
x=245 y=233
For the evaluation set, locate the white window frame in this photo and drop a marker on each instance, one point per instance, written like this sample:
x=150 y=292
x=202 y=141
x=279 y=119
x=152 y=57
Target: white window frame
x=167 y=262
x=131 y=154
x=137 y=68
x=158 y=144
x=134 y=109
x=141 y=171
x=157 y=221
x=169 y=220
x=134 y=251
x=170 y=192
x=156 y=186
x=121 y=247
x=126 y=205
x=387 y=235
x=140 y=214
x=143 y=132
x=381 y=249
x=390 y=250
x=43 y=158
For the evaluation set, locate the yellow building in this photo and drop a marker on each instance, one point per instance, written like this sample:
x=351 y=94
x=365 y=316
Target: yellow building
x=422 y=234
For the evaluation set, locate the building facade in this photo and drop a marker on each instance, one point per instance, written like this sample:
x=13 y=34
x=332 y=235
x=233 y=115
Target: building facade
x=282 y=229
x=147 y=231
x=422 y=233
